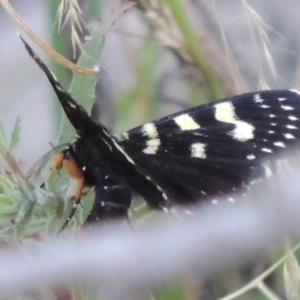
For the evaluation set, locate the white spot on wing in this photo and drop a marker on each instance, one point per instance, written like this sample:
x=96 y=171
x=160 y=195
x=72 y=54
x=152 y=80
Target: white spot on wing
x=267 y=150
x=186 y=122
x=289 y=136
x=265 y=106
x=71 y=104
x=287 y=107
x=272 y=116
x=291 y=127
x=257 y=98
x=198 y=150
x=250 y=156
x=279 y=144
x=153 y=142
x=224 y=112
x=281 y=99
x=293 y=118
x=243 y=131
x=164 y=195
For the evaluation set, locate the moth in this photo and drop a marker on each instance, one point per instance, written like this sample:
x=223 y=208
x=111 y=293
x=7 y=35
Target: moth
x=191 y=156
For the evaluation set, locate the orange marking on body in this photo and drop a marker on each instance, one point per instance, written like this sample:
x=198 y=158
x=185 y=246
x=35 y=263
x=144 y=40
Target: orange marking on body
x=59 y=159
x=62 y=159
x=72 y=168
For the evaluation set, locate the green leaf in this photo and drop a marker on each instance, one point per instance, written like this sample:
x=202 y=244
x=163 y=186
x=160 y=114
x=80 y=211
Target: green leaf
x=15 y=136
x=2 y=136
x=83 y=86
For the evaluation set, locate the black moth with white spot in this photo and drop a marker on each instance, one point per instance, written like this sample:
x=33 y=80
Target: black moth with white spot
x=194 y=155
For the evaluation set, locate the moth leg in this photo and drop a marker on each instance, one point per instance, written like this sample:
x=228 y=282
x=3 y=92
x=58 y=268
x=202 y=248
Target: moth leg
x=76 y=199
x=66 y=160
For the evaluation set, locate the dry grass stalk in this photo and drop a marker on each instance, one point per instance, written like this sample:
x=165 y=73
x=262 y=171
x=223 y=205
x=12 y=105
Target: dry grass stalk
x=165 y=28
x=291 y=275
x=69 y=12
x=49 y=50
x=239 y=83
x=167 y=32
x=258 y=26
x=258 y=282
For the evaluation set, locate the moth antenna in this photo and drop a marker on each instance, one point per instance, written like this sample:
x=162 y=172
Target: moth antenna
x=75 y=112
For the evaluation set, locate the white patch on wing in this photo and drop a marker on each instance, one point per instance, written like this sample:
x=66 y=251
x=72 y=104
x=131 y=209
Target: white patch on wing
x=225 y=112
x=186 y=122
x=153 y=142
x=150 y=130
x=152 y=146
x=198 y=150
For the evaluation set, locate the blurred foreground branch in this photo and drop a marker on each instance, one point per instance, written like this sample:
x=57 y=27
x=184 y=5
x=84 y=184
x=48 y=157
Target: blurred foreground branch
x=123 y=262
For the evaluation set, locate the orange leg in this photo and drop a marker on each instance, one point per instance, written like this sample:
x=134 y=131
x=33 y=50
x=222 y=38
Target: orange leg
x=75 y=172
